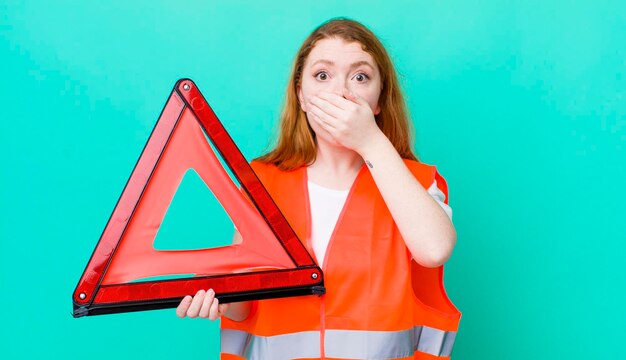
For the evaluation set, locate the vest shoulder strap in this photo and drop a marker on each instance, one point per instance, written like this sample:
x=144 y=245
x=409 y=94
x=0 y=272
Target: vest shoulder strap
x=424 y=173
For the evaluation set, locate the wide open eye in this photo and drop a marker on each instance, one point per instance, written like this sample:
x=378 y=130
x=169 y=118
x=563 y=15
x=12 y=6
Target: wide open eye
x=361 y=77
x=322 y=75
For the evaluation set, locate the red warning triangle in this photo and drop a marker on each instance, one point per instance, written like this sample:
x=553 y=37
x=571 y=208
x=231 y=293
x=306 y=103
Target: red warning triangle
x=271 y=261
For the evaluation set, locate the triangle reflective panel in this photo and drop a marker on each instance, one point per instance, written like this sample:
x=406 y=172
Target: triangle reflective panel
x=270 y=262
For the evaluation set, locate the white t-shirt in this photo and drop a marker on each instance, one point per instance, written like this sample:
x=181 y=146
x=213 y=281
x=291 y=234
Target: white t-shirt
x=326 y=205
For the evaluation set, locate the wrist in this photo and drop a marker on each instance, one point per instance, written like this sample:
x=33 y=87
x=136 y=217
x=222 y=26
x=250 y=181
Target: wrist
x=373 y=146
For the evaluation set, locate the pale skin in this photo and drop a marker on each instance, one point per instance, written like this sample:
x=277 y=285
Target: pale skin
x=339 y=93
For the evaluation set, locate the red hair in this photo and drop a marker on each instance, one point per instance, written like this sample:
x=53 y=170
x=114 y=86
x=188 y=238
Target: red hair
x=296 y=144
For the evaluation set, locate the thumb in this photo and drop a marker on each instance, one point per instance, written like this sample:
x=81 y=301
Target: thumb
x=222 y=309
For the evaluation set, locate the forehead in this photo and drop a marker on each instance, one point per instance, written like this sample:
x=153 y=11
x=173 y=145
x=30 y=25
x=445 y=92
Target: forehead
x=340 y=52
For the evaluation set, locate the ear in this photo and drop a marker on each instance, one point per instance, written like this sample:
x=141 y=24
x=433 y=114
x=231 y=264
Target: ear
x=301 y=99
x=377 y=111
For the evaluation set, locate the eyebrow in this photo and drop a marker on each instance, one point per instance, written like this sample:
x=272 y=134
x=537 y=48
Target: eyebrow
x=354 y=65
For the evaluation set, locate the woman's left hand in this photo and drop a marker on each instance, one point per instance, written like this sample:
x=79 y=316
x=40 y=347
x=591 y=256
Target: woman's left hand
x=348 y=119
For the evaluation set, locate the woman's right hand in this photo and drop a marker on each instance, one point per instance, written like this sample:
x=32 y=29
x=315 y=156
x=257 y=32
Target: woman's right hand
x=204 y=304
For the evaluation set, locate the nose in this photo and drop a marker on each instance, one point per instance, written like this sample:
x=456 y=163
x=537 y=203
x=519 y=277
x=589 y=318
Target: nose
x=337 y=86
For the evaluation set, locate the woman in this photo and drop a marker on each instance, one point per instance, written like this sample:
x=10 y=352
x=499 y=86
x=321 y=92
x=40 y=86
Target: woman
x=374 y=218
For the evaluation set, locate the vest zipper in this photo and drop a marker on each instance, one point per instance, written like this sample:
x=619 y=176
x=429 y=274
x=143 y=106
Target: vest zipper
x=322 y=327
x=324 y=264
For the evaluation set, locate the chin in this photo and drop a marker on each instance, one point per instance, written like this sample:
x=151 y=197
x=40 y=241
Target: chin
x=328 y=141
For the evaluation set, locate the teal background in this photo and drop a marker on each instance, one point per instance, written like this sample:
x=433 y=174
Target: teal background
x=520 y=104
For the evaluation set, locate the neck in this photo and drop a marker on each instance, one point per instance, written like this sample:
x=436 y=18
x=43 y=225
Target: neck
x=334 y=166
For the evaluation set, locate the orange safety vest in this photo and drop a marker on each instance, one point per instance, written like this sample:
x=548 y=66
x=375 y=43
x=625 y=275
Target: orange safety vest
x=379 y=304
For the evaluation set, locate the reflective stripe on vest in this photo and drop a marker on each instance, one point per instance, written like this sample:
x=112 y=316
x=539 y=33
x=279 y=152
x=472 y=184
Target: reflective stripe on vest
x=352 y=344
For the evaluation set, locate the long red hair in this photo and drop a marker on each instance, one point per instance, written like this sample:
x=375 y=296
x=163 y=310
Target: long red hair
x=296 y=145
